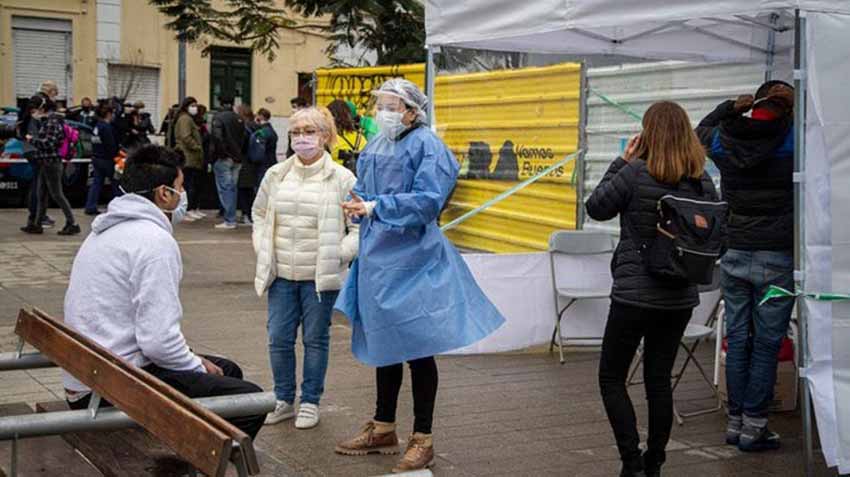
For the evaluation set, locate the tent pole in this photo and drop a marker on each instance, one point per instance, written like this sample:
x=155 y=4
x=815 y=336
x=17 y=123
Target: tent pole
x=580 y=163
x=430 y=78
x=800 y=65
x=771 y=48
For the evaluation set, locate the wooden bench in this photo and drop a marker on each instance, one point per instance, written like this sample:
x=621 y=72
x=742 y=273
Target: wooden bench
x=195 y=434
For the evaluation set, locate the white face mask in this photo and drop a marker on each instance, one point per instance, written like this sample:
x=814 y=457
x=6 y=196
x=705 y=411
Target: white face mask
x=179 y=212
x=390 y=123
x=306 y=147
x=193 y=110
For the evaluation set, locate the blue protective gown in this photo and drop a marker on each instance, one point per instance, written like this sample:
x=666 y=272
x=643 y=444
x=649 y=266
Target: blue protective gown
x=410 y=294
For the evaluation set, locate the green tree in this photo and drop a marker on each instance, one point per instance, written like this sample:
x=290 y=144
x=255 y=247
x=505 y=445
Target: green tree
x=253 y=23
x=393 y=29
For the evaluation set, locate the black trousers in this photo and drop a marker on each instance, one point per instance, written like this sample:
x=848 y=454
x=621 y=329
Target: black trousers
x=424 y=380
x=196 y=385
x=192 y=182
x=245 y=200
x=662 y=332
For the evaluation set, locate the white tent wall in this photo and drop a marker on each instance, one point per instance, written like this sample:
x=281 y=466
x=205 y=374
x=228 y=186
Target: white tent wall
x=698 y=87
x=827 y=260
x=722 y=31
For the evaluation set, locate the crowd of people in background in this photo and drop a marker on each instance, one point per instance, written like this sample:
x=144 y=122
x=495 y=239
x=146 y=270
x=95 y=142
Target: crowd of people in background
x=234 y=145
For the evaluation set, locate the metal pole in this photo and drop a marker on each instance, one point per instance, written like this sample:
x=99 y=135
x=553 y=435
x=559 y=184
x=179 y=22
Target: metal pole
x=800 y=65
x=8 y=361
x=771 y=47
x=181 y=71
x=430 y=78
x=581 y=163
x=110 y=419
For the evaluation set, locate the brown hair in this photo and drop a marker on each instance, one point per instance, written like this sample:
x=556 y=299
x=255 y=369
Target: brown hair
x=342 y=116
x=669 y=145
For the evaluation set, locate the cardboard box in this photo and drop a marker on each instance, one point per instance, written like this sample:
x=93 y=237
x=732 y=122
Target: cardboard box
x=784 y=393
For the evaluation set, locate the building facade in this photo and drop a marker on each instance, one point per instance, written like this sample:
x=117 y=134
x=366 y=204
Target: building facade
x=104 y=48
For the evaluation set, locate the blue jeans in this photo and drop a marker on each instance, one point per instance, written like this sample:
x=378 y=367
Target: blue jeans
x=100 y=172
x=754 y=332
x=226 y=178
x=294 y=304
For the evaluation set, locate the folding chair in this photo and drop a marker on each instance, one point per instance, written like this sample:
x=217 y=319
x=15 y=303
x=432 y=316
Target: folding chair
x=702 y=325
x=576 y=244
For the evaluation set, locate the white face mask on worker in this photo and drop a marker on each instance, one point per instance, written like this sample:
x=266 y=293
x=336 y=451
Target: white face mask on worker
x=193 y=110
x=390 y=123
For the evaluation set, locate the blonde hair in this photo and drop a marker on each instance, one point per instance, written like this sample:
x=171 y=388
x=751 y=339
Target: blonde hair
x=48 y=86
x=320 y=118
x=669 y=145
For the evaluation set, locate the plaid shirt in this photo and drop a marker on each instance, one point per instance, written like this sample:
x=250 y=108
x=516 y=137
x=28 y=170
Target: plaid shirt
x=49 y=138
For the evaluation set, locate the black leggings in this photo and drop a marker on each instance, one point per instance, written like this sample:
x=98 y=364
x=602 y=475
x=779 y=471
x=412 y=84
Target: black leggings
x=192 y=179
x=424 y=377
x=661 y=331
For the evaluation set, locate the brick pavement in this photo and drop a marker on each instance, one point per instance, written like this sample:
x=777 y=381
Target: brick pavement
x=517 y=414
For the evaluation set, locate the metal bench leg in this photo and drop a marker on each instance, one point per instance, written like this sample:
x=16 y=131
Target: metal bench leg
x=13 y=467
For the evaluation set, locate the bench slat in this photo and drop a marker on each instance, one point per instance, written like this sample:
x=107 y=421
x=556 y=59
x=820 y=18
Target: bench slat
x=208 y=416
x=124 y=452
x=42 y=455
x=130 y=389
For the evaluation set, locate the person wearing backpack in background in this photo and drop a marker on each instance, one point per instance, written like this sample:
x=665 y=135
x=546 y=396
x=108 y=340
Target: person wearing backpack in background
x=48 y=141
x=104 y=150
x=262 y=145
x=755 y=156
x=665 y=159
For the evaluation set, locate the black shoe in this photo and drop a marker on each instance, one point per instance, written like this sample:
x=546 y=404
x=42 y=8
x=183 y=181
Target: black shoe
x=652 y=462
x=633 y=468
x=47 y=222
x=93 y=212
x=32 y=229
x=70 y=229
x=755 y=439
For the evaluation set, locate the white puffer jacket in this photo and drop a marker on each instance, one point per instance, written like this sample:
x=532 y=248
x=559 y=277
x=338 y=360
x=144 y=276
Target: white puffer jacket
x=324 y=252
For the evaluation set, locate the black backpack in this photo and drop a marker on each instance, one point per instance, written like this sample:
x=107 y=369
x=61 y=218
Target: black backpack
x=690 y=239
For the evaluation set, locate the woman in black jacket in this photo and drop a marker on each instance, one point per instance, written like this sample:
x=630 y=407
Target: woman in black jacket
x=666 y=157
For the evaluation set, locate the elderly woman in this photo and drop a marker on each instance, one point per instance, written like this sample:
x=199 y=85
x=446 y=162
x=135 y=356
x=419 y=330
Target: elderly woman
x=410 y=295
x=304 y=245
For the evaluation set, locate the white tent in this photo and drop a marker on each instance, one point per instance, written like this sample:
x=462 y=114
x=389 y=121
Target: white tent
x=807 y=40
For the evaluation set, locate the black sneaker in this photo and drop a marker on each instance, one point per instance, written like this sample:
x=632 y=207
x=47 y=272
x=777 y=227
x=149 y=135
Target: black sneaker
x=757 y=439
x=32 y=229
x=734 y=424
x=652 y=462
x=93 y=212
x=70 y=229
x=47 y=222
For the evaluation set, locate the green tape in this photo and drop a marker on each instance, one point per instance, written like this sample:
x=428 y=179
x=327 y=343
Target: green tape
x=504 y=195
x=774 y=292
x=624 y=109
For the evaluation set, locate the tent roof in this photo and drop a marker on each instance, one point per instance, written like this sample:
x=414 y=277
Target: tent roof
x=713 y=30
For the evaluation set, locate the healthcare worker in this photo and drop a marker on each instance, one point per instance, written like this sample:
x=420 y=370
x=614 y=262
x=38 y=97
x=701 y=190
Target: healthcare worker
x=409 y=296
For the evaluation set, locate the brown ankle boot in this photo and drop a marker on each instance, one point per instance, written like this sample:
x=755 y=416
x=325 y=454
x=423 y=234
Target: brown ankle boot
x=369 y=442
x=419 y=454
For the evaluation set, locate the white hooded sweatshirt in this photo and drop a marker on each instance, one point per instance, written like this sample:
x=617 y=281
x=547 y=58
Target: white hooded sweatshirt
x=124 y=291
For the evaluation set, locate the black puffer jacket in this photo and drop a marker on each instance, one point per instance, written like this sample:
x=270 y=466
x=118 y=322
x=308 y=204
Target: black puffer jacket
x=756 y=162
x=629 y=191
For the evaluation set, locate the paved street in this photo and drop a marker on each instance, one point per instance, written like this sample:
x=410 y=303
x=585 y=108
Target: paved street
x=518 y=414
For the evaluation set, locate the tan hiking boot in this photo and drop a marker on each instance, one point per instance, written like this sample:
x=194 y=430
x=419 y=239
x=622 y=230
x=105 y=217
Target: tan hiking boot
x=419 y=454
x=369 y=442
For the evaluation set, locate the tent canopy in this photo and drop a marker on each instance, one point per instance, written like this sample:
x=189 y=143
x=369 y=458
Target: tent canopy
x=705 y=30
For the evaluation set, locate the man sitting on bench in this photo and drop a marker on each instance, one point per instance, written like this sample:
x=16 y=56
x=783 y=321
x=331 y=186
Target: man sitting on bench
x=124 y=291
